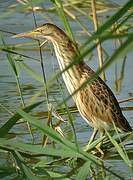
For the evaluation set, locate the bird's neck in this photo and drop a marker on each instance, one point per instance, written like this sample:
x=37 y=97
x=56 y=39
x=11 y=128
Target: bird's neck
x=66 y=55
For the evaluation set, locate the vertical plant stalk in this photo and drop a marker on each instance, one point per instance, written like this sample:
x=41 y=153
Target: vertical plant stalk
x=13 y=66
x=45 y=138
x=22 y=101
x=61 y=12
x=118 y=80
x=23 y=104
x=99 y=47
x=41 y=62
x=70 y=116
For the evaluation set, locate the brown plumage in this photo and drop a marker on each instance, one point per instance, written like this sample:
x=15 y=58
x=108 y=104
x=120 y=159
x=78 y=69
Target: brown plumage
x=95 y=102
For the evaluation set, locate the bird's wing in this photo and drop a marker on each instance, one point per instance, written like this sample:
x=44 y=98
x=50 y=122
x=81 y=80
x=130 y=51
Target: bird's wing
x=97 y=101
x=105 y=97
x=108 y=104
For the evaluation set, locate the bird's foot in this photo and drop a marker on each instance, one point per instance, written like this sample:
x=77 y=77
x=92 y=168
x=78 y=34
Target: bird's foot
x=98 y=150
x=98 y=147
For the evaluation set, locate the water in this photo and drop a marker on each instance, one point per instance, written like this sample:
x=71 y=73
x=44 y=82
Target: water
x=19 y=21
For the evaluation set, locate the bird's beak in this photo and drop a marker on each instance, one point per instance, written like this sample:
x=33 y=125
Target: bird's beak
x=31 y=34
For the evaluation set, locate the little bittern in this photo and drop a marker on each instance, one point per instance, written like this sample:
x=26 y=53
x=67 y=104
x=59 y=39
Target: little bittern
x=95 y=102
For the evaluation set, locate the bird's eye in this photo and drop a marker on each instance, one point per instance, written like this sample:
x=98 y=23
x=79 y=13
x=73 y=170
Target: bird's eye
x=38 y=30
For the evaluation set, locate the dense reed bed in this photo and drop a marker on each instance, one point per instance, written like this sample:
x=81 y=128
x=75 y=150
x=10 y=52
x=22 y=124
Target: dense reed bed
x=47 y=147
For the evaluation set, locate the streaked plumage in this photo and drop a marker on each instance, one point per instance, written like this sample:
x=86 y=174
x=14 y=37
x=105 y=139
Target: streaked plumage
x=95 y=102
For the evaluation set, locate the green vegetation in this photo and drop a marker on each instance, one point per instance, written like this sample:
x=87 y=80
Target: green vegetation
x=46 y=150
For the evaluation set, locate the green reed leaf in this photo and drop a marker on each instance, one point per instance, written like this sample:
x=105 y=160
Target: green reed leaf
x=83 y=171
x=120 y=150
x=12 y=121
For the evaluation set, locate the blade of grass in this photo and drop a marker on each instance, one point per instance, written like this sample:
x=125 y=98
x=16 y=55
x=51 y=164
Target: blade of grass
x=70 y=116
x=16 y=73
x=61 y=13
x=47 y=130
x=120 y=150
x=83 y=171
x=113 y=19
x=23 y=167
x=64 y=142
x=12 y=121
x=16 y=53
x=30 y=150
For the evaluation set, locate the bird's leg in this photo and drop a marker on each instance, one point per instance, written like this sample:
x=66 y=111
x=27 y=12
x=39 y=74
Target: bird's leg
x=91 y=138
x=98 y=146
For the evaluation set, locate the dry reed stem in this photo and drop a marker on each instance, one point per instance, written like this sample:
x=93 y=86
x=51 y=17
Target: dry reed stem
x=99 y=47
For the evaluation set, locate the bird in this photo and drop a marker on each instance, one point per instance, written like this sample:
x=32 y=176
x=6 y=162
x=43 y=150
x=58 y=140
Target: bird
x=95 y=102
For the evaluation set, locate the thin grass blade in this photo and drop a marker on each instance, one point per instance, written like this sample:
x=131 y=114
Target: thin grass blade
x=12 y=121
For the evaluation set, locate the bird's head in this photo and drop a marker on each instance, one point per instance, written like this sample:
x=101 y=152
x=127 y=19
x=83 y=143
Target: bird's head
x=46 y=31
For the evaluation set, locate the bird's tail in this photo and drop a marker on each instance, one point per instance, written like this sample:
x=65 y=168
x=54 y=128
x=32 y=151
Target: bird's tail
x=125 y=126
